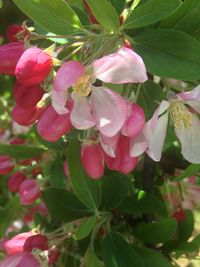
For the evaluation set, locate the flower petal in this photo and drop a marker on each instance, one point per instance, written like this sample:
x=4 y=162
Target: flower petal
x=109 y=110
x=81 y=116
x=189 y=138
x=191 y=95
x=155 y=131
x=124 y=66
x=109 y=144
x=66 y=76
x=138 y=145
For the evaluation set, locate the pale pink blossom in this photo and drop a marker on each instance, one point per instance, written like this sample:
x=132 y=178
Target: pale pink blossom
x=97 y=106
x=186 y=124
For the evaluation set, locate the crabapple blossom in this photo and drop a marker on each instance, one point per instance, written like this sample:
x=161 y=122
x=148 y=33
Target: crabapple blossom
x=29 y=191
x=52 y=126
x=124 y=66
x=33 y=66
x=92 y=158
x=6 y=164
x=13 y=32
x=9 y=57
x=36 y=241
x=20 y=260
x=186 y=123
x=15 y=180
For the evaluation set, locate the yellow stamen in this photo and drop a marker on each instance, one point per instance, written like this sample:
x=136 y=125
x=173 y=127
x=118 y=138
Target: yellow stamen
x=180 y=114
x=83 y=85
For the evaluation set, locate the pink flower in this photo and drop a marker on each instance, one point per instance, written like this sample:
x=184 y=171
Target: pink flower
x=15 y=180
x=52 y=126
x=6 y=165
x=186 y=123
x=93 y=160
x=22 y=259
x=122 y=161
x=36 y=241
x=9 y=57
x=97 y=106
x=16 y=243
x=29 y=191
x=33 y=66
x=26 y=117
x=135 y=121
x=27 y=96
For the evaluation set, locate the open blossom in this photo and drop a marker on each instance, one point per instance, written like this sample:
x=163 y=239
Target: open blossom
x=186 y=123
x=97 y=106
x=20 y=260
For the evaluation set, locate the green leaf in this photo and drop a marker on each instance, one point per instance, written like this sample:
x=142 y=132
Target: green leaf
x=150 y=12
x=54 y=173
x=85 y=228
x=115 y=188
x=185 y=227
x=8 y=214
x=157 y=232
x=54 y=16
x=168 y=48
x=119 y=5
x=141 y=202
x=63 y=205
x=191 y=170
x=150 y=95
x=87 y=189
x=152 y=258
x=92 y=260
x=196 y=240
x=20 y=151
x=185 y=18
x=118 y=253
x=105 y=14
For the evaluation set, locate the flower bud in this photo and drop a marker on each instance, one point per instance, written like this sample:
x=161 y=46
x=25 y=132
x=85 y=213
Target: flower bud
x=27 y=96
x=53 y=256
x=6 y=164
x=9 y=56
x=29 y=191
x=52 y=126
x=26 y=117
x=92 y=158
x=123 y=162
x=179 y=215
x=13 y=31
x=36 y=241
x=17 y=141
x=15 y=180
x=16 y=243
x=135 y=121
x=33 y=66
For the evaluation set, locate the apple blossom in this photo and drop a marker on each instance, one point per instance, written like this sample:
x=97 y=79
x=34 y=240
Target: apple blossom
x=124 y=66
x=29 y=191
x=15 y=180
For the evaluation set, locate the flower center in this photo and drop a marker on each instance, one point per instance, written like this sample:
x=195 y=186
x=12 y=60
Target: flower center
x=83 y=84
x=180 y=114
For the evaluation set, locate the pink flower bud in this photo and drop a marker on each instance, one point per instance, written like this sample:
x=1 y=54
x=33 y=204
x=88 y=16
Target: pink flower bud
x=27 y=96
x=29 y=191
x=6 y=165
x=92 y=158
x=33 y=66
x=15 y=180
x=123 y=162
x=16 y=243
x=135 y=121
x=13 y=31
x=9 y=56
x=36 y=241
x=17 y=141
x=26 y=117
x=53 y=256
x=22 y=259
x=179 y=215
x=52 y=126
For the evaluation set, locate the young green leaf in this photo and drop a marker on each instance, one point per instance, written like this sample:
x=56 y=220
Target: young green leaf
x=150 y=12
x=185 y=227
x=157 y=232
x=85 y=228
x=168 y=48
x=105 y=14
x=54 y=16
